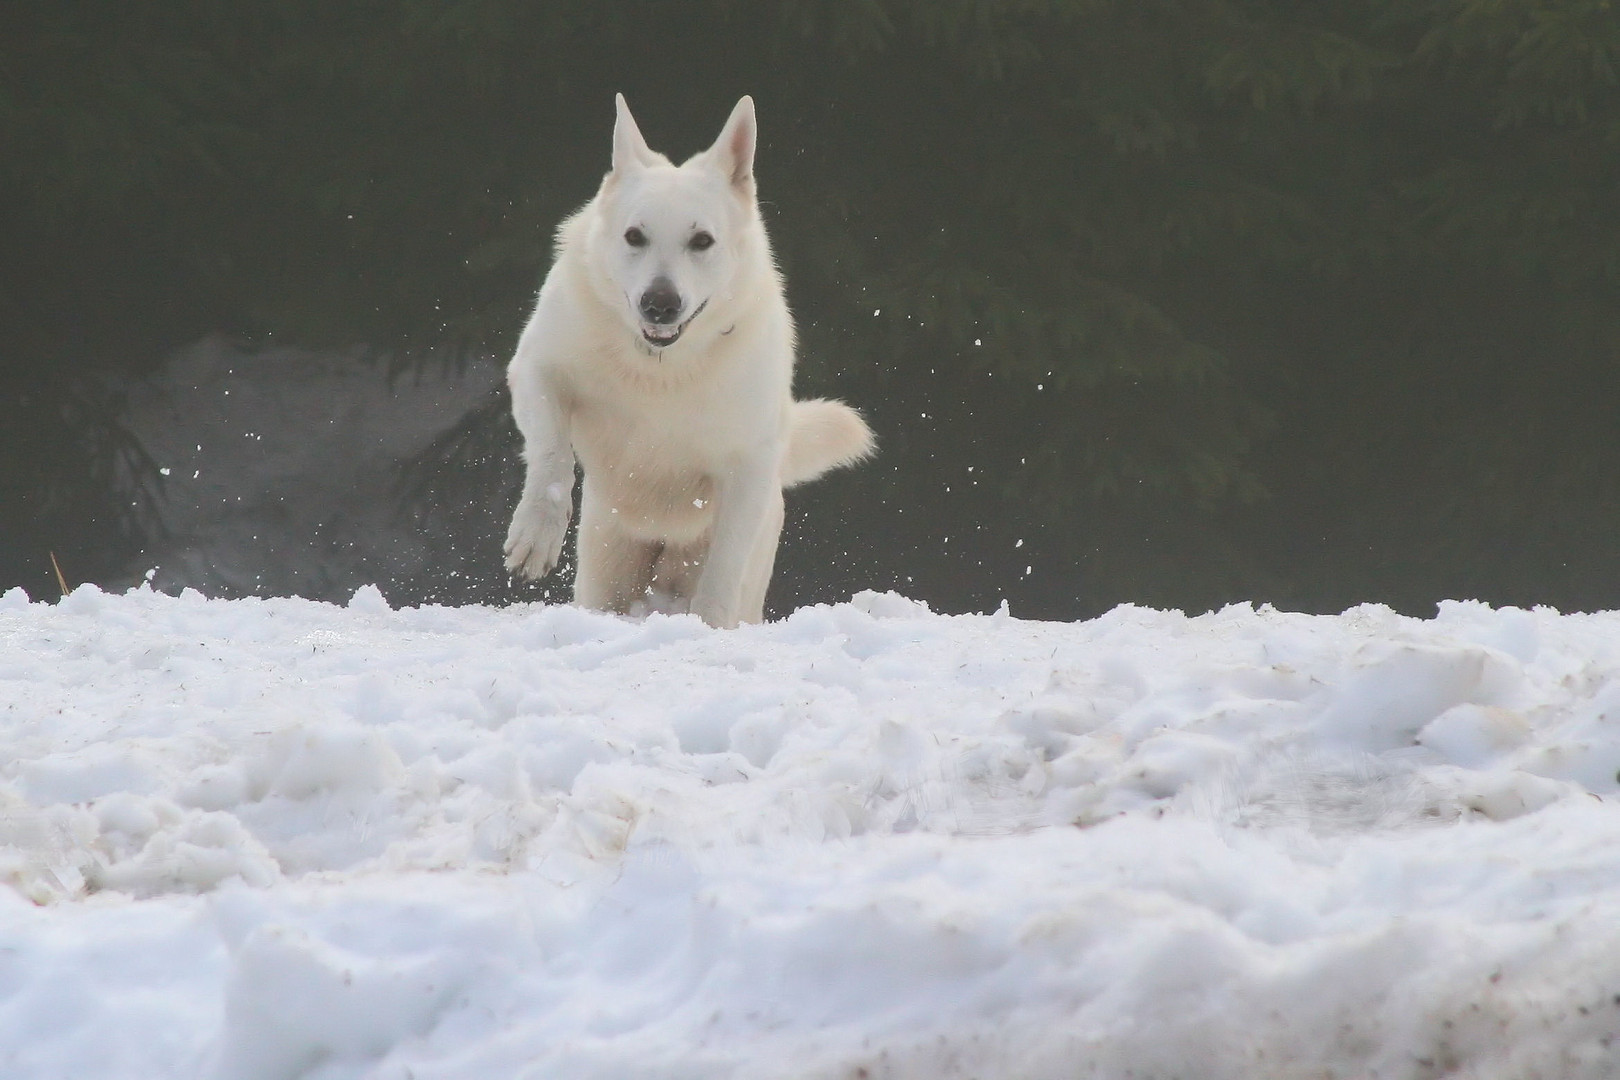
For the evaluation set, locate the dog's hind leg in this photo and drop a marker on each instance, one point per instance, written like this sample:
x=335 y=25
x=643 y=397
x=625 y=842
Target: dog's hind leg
x=675 y=574
x=761 y=561
x=615 y=569
x=747 y=504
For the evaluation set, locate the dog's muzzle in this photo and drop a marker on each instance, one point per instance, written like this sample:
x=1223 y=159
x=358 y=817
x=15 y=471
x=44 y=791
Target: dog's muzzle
x=659 y=335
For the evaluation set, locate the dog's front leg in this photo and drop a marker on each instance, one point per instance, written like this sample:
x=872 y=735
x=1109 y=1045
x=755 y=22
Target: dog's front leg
x=742 y=508
x=534 y=541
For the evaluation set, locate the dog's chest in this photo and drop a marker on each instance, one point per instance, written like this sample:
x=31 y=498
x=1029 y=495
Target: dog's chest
x=654 y=469
x=694 y=427
x=629 y=446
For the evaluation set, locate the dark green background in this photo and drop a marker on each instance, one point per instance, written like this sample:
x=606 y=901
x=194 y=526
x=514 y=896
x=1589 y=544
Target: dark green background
x=1304 y=302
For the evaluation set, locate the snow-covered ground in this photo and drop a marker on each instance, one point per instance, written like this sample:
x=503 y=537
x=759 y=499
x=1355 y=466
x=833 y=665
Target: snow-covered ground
x=276 y=839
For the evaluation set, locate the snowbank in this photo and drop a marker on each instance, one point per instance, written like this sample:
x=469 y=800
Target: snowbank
x=277 y=839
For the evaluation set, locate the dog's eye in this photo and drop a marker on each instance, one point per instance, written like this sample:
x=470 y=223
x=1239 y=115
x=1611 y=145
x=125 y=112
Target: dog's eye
x=701 y=241
x=635 y=237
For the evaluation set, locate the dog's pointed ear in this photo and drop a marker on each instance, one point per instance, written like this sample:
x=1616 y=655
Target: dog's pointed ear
x=733 y=151
x=629 y=148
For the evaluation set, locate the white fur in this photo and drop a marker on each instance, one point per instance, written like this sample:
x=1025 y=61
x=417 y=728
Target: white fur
x=685 y=425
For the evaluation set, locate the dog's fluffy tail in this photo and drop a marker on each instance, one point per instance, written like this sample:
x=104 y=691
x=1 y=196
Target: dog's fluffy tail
x=826 y=435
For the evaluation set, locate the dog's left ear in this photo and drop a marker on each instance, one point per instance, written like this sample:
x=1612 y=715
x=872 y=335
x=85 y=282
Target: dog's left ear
x=733 y=151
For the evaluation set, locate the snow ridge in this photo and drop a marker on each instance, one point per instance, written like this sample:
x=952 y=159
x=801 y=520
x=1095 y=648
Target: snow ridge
x=272 y=839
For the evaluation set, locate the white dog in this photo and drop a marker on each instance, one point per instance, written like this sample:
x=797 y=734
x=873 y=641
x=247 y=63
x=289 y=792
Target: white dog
x=660 y=354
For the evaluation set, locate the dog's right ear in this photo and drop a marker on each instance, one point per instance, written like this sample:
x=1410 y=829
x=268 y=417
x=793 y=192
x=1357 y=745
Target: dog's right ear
x=630 y=150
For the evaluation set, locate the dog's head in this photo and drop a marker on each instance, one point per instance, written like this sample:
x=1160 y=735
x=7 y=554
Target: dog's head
x=672 y=236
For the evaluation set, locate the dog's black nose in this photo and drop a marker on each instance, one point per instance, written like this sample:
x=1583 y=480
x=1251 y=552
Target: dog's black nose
x=660 y=304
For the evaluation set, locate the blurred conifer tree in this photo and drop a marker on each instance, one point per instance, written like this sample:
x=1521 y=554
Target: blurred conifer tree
x=1309 y=302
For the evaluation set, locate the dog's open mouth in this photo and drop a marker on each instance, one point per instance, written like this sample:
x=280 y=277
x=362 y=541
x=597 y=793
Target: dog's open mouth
x=659 y=337
x=662 y=337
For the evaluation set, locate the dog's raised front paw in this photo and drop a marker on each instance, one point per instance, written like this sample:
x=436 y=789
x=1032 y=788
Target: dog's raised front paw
x=534 y=542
